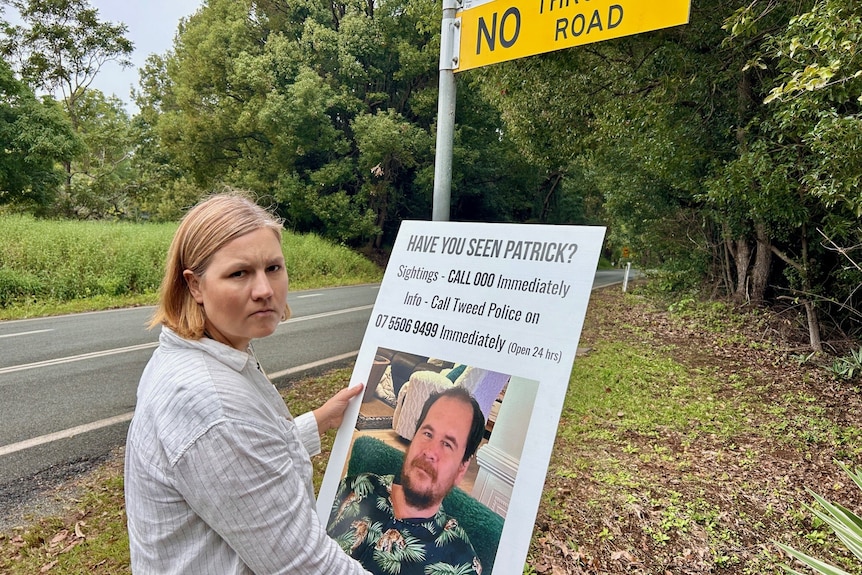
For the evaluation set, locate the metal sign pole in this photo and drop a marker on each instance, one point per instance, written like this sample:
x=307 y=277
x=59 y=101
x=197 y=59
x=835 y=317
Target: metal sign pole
x=449 y=48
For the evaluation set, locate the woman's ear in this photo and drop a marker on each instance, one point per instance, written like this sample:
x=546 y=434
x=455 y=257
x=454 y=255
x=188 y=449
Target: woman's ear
x=193 y=281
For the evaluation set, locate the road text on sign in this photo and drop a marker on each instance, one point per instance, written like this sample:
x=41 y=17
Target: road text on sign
x=501 y=30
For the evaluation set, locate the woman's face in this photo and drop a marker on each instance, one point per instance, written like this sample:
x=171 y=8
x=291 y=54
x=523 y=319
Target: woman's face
x=243 y=290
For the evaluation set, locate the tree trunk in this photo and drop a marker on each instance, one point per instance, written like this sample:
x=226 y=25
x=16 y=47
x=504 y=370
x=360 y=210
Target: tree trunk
x=762 y=265
x=382 y=195
x=810 y=308
x=813 y=326
x=741 y=252
x=546 y=202
x=804 y=269
x=64 y=203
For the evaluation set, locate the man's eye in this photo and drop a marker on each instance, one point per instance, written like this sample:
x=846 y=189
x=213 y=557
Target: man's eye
x=238 y=274
x=447 y=445
x=273 y=268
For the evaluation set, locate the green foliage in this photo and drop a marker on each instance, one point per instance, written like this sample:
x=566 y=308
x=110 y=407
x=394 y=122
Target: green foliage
x=847 y=366
x=679 y=273
x=73 y=260
x=845 y=524
x=100 y=177
x=17 y=285
x=313 y=261
x=35 y=137
x=329 y=113
x=62 y=45
x=62 y=261
x=798 y=161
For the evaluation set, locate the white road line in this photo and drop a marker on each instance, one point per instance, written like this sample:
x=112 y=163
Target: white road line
x=65 y=434
x=313 y=364
x=328 y=313
x=309 y=295
x=107 y=352
x=72 y=358
x=73 y=431
x=25 y=333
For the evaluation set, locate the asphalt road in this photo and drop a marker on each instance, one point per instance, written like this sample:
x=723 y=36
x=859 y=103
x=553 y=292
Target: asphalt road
x=67 y=384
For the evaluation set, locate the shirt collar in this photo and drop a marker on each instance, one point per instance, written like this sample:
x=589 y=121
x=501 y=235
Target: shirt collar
x=233 y=358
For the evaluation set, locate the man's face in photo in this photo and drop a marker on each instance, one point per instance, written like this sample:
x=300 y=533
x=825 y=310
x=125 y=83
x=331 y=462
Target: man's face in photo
x=434 y=461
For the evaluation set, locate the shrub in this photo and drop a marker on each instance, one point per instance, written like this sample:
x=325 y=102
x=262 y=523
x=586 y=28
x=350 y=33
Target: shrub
x=843 y=522
x=847 y=366
x=18 y=285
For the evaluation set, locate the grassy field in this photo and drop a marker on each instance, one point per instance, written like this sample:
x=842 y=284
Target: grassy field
x=686 y=442
x=50 y=267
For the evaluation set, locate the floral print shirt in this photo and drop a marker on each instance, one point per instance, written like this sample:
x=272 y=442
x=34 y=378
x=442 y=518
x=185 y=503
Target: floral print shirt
x=363 y=523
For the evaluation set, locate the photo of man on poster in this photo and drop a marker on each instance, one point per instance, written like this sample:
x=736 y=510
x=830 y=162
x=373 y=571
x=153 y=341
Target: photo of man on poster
x=399 y=519
x=496 y=309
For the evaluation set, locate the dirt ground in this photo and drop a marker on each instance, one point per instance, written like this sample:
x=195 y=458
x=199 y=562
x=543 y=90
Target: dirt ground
x=713 y=502
x=706 y=496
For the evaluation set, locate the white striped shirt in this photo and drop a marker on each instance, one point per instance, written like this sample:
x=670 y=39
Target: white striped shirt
x=218 y=472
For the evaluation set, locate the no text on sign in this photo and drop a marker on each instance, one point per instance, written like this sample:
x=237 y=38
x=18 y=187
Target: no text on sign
x=499 y=30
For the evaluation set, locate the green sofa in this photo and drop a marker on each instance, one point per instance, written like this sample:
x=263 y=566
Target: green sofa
x=482 y=525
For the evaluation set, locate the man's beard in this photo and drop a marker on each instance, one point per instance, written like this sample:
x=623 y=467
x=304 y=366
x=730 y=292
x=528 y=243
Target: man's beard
x=420 y=499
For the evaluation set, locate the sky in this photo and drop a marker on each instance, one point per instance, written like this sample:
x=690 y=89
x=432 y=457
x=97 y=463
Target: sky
x=152 y=26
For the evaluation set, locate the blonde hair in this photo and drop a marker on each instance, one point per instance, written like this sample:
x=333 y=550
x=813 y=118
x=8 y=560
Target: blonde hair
x=203 y=231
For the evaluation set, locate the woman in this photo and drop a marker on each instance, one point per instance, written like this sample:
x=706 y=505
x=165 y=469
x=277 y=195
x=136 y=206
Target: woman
x=218 y=472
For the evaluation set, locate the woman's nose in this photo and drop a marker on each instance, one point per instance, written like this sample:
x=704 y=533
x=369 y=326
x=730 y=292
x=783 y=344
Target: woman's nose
x=262 y=288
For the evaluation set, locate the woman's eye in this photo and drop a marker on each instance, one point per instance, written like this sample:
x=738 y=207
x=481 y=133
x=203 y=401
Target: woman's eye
x=238 y=274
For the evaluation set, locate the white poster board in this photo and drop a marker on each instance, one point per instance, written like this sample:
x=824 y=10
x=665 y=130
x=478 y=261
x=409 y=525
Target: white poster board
x=505 y=299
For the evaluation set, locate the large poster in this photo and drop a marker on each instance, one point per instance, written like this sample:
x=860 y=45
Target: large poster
x=493 y=309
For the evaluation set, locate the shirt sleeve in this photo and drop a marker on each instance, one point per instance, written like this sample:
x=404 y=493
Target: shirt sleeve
x=306 y=424
x=246 y=482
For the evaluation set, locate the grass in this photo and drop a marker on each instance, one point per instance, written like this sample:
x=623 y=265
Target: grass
x=686 y=449
x=53 y=267
x=679 y=451
x=91 y=538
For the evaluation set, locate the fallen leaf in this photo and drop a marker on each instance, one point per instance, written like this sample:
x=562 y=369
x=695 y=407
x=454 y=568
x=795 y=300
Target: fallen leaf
x=59 y=538
x=623 y=555
x=70 y=546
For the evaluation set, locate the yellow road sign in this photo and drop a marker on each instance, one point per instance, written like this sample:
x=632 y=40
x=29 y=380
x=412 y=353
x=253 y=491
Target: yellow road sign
x=499 y=30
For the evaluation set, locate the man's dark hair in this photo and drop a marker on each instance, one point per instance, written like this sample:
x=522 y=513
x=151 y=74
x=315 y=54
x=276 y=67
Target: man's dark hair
x=477 y=427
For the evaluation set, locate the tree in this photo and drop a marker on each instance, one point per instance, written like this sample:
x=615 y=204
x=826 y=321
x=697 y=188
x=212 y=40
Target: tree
x=389 y=148
x=35 y=136
x=300 y=101
x=61 y=47
x=630 y=125
x=804 y=157
x=102 y=175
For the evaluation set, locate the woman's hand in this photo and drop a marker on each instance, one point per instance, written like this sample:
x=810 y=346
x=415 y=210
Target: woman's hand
x=330 y=414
